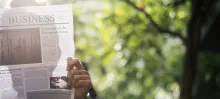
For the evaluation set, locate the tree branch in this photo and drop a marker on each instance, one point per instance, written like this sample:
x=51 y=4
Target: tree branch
x=157 y=26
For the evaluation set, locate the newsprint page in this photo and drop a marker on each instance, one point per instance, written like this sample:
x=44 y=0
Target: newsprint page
x=35 y=43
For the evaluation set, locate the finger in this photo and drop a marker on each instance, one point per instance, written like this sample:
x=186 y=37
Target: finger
x=69 y=59
x=79 y=72
x=69 y=76
x=74 y=63
x=83 y=83
x=78 y=78
x=72 y=73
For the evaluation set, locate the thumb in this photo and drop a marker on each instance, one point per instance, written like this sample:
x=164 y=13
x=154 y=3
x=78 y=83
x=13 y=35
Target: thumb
x=74 y=63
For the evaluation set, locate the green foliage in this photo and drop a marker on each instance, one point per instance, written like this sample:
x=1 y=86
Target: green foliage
x=128 y=58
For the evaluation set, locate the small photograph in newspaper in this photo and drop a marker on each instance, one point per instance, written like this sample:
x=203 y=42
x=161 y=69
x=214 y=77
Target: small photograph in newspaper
x=35 y=43
x=59 y=82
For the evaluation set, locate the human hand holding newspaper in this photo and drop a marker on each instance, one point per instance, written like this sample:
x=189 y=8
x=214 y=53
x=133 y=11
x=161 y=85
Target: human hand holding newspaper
x=78 y=78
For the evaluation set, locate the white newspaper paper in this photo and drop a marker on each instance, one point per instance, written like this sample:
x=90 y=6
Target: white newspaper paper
x=35 y=43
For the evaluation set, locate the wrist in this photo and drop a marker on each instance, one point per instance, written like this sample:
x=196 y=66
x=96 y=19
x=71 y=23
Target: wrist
x=80 y=97
x=84 y=97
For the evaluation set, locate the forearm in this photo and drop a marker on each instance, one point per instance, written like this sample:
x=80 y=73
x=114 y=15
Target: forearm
x=80 y=96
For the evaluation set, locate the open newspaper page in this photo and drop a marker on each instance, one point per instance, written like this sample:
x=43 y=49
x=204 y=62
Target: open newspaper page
x=35 y=43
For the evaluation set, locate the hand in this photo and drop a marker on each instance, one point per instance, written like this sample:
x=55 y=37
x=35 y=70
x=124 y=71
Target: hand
x=78 y=78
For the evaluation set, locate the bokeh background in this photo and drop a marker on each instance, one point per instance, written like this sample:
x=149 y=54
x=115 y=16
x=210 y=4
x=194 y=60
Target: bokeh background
x=135 y=49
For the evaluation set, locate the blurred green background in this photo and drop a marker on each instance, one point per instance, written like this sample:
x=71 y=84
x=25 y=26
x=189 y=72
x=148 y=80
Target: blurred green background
x=128 y=57
x=135 y=48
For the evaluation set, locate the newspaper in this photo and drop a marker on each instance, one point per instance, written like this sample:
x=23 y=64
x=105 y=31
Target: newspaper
x=35 y=43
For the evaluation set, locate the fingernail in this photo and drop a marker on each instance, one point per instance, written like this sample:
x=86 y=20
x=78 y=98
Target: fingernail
x=69 y=58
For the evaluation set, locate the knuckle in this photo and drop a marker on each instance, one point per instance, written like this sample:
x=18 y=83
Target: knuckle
x=84 y=72
x=76 y=59
x=76 y=77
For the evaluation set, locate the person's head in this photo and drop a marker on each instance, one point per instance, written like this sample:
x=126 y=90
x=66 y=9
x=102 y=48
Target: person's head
x=23 y=3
